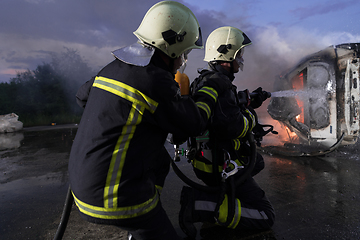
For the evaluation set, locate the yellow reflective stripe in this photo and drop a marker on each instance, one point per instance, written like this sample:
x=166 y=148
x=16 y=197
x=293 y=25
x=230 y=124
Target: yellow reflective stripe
x=204 y=107
x=209 y=91
x=237 y=215
x=208 y=167
x=203 y=166
x=246 y=128
x=253 y=120
x=117 y=213
x=236 y=144
x=159 y=189
x=224 y=211
x=140 y=102
x=119 y=155
x=238 y=162
x=125 y=91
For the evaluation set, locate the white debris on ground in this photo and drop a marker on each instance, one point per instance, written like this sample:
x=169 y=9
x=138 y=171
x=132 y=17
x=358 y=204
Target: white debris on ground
x=10 y=123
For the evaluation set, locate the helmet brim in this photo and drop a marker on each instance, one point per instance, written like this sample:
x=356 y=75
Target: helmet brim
x=136 y=54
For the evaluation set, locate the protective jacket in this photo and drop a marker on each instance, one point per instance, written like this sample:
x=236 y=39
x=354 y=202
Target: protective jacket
x=223 y=140
x=228 y=125
x=118 y=155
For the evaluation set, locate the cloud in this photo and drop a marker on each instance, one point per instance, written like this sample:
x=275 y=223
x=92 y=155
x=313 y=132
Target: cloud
x=38 y=1
x=31 y=29
x=92 y=27
x=322 y=8
x=335 y=38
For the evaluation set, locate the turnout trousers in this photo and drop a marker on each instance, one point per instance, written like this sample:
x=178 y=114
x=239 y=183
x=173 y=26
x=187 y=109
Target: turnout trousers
x=253 y=207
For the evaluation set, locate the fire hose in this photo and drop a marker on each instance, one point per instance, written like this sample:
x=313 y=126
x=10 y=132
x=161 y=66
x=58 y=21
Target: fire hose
x=239 y=180
x=65 y=215
x=70 y=199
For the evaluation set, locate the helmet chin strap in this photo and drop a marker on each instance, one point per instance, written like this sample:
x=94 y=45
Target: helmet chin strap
x=232 y=68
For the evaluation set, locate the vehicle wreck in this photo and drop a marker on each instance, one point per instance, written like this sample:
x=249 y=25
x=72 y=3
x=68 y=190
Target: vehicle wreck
x=318 y=99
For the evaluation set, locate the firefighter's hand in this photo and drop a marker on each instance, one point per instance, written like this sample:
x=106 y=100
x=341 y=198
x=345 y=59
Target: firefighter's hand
x=258 y=97
x=244 y=97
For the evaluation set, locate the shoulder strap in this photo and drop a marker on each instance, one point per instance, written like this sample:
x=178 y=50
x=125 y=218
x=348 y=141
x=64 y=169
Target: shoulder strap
x=199 y=81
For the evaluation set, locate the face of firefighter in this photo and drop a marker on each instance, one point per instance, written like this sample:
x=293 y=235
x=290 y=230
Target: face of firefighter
x=181 y=60
x=178 y=62
x=227 y=66
x=237 y=64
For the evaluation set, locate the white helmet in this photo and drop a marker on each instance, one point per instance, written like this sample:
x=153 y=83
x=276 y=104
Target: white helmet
x=171 y=27
x=224 y=43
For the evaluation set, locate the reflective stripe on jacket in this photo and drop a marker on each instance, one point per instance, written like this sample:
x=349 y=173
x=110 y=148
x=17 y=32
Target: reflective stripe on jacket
x=228 y=125
x=118 y=151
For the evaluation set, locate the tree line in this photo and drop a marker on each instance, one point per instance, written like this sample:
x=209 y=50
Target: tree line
x=46 y=95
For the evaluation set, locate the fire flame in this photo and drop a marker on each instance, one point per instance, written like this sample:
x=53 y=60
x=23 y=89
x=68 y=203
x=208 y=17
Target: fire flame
x=290 y=133
x=298 y=84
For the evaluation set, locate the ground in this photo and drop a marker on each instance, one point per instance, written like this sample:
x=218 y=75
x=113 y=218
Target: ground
x=314 y=197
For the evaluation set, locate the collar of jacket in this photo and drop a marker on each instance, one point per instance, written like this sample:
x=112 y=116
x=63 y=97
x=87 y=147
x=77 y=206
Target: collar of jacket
x=157 y=61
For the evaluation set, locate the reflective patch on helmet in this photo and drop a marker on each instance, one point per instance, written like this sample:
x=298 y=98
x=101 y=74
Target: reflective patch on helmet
x=169 y=36
x=224 y=48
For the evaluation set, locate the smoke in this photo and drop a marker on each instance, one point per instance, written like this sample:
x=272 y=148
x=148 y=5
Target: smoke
x=95 y=29
x=274 y=51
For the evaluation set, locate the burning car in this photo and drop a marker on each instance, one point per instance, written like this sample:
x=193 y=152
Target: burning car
x=318 y=99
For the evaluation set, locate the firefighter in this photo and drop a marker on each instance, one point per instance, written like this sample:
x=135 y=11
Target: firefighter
x=230 y=122
x=118 y=162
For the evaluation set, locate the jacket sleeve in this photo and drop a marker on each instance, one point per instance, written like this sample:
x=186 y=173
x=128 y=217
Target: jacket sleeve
x=82 y=94
x=231 y=121
x=183 y=115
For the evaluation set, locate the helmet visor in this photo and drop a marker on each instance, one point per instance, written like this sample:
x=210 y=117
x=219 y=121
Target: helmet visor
x=184 y=57
x=239 y=58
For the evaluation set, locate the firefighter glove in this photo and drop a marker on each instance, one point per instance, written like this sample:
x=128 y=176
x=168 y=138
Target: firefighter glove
x=258 y=97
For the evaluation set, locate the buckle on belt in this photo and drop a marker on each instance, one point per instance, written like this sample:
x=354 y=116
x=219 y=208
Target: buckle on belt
x=226 y=172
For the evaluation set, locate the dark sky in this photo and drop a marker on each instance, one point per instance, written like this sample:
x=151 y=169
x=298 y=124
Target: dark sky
x=282 y=31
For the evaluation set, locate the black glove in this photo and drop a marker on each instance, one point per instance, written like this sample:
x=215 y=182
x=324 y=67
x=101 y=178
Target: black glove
x=258 y=97
x=244 y=98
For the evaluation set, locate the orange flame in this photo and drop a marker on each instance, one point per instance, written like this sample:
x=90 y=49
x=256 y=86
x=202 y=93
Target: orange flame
x=298 y=84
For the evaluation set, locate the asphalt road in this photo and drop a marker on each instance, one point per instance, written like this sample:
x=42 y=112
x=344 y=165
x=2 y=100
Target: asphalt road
x=314 y=197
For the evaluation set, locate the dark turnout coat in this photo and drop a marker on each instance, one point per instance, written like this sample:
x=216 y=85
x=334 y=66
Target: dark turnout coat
x=227 y=127
x=118 y=159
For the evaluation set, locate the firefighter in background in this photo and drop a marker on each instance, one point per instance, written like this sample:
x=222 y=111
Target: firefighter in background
x=229 y=123
x=118 y=162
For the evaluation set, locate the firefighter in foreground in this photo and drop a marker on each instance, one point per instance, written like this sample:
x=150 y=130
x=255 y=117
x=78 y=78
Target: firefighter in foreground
x=228 y=124
x=118 y=162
